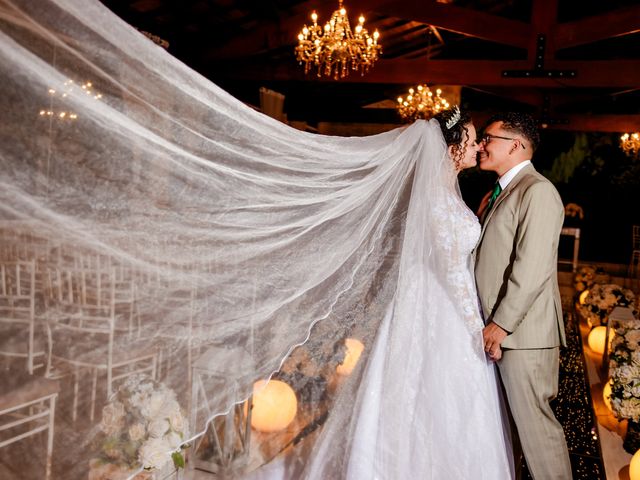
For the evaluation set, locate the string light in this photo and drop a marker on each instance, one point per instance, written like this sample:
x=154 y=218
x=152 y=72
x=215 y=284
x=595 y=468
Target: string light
x=68 y=89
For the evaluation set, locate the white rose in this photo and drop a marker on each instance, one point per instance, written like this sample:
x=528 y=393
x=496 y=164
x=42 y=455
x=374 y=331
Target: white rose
x=625 y=374
x=158 y=428
x=153 y=406
x=112 y=418
x=633 y=338
x=136 y=432
x=177 y=422
x=154 y=453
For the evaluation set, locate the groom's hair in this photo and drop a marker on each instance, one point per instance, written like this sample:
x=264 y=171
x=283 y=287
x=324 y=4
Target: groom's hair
x=519 y=123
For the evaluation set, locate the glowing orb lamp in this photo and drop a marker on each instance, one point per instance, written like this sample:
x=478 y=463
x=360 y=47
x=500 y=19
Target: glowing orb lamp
x=634 y=467
x=596 y=339
x=354 y=350
x=606 y=394
x=583 y=297
x=274 y=406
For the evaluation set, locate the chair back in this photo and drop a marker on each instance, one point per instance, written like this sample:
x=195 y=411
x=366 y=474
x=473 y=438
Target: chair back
x=17 y=310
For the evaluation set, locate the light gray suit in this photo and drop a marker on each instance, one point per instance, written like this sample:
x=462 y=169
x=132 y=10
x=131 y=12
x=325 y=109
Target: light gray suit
x=516 y=274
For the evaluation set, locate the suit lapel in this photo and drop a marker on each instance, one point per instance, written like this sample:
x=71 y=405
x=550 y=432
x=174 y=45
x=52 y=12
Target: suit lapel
x=501 y=198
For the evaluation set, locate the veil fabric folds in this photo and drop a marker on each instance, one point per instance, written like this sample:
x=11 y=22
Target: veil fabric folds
x=236 y=238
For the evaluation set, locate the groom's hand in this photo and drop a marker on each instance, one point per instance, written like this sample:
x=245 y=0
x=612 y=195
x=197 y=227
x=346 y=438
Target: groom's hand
x=493 y=335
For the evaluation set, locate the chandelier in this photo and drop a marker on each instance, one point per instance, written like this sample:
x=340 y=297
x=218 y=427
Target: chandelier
x=421 y=103
x=630 y=144
x=336 y=50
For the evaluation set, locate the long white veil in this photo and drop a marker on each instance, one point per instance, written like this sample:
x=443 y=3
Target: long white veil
x=224 y=246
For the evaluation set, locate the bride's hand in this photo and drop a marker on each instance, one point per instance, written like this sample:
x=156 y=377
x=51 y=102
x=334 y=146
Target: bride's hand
x=496 y=354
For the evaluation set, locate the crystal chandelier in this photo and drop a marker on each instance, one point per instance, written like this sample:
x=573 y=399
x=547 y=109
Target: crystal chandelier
x=335 y=50
x=630 y=144
x=421 y=103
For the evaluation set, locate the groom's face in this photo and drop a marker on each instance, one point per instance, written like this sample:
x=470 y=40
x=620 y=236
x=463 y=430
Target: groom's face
x=494 y=154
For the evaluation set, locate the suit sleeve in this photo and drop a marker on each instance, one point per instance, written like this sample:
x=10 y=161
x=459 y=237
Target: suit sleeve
x=535 y=247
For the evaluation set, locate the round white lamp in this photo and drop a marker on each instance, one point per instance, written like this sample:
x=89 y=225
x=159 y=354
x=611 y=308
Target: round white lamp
x=351 y=357
x=596 y=339
x=583 y=297
x=274 y=406
x=634 y=466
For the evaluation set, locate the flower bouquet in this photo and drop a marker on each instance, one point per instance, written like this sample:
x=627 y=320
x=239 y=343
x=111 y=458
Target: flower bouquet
x=603 y=298
x=624 y=368
x=584 y=278
x=142 y=426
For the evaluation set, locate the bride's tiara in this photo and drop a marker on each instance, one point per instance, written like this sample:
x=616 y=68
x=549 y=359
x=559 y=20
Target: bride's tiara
x=455 y=118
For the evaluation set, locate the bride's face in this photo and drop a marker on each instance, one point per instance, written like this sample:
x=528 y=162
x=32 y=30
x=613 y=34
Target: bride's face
x=470 y=146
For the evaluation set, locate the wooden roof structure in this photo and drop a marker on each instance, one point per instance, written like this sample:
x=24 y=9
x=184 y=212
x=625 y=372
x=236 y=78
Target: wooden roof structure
x=574 y=65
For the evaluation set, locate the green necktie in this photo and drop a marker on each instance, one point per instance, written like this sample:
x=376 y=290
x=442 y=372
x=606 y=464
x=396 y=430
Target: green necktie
x=496 y=191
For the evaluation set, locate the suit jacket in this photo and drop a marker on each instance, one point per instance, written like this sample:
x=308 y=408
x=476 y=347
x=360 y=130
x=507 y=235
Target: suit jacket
x=516 y=262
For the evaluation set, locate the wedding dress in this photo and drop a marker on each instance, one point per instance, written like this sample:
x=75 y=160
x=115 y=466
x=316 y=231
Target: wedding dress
x=427 y=404
x=429 y=401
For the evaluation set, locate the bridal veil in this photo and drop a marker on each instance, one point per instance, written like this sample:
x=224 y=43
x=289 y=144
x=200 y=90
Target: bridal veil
x=246 y=249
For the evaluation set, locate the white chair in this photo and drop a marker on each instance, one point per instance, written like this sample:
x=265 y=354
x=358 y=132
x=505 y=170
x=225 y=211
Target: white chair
x=27 y=407
x=86 y=333
x=18 y=335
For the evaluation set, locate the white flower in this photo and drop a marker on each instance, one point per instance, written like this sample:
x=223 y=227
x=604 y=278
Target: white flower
x=153 y=407
x=155 y=453
x=177 y=421
x=627 y=374
x=633 y=338
x=158 y=428
x=136 y=432
x=112 y=418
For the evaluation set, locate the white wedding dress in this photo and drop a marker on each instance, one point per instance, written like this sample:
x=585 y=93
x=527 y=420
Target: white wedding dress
x=444 y=420
x=426 y=404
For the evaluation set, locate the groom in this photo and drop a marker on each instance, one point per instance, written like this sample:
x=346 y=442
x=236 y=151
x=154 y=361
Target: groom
x=516 y=274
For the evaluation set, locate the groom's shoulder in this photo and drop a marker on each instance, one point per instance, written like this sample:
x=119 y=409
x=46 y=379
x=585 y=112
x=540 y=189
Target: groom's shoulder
x=534 y=183
x=532 y=177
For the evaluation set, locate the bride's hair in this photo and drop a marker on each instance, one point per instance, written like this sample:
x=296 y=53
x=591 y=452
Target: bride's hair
x=458 y=134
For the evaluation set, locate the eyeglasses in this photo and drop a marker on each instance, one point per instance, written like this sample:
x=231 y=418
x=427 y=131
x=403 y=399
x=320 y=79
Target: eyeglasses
x=486 y=138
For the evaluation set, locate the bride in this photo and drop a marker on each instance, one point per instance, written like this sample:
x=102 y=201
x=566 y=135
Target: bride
x=427 y=405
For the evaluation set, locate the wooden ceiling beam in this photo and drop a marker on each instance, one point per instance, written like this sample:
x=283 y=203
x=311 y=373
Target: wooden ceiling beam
x=595 y=73
x=536 y=96
x=619 y=22
x=461 y=20
x=578 y=123
x=598 y=123
x=543 y=21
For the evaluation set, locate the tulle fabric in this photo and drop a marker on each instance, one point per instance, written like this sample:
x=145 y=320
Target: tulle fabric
x=236 y=237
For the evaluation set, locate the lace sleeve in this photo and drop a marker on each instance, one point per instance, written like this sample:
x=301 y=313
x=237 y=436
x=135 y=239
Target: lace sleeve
x=451 y=236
